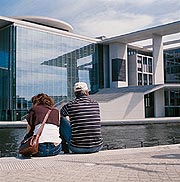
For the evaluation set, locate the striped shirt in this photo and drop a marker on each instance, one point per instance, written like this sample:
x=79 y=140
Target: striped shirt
x=85 y=123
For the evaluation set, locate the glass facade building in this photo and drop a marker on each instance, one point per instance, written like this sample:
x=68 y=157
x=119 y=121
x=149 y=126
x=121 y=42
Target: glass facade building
x=172 y=75
x=7 y=73
x=172 y=65
x=34 y=61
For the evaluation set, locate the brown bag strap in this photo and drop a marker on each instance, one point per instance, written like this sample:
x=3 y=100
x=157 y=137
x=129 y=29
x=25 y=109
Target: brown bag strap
x=43 y=123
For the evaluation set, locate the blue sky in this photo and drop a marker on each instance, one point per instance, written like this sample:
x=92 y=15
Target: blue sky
x=98 y=17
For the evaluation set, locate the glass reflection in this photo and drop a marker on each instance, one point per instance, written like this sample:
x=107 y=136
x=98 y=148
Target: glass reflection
x=4 y=73
x=51 y=63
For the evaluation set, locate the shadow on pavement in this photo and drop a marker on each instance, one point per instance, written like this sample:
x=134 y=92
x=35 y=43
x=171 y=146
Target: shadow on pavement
x=167 y=156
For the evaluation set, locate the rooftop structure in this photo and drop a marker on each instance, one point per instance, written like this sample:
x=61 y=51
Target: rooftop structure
x=45 y=21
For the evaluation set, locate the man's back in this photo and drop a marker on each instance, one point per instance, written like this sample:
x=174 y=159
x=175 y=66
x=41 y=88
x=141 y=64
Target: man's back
x=85 y=123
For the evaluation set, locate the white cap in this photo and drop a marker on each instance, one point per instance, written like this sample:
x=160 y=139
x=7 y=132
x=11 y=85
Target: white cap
x=80 y=86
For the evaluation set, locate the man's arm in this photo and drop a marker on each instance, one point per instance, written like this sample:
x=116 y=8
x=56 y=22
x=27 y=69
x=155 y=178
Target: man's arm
x=64 y=112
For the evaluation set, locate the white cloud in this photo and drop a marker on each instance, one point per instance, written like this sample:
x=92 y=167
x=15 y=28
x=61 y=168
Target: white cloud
x=104 y=24
x=99 y=17
x=170 y=17
x=112 y=17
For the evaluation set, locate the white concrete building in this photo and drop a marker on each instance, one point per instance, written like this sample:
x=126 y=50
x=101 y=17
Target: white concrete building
x=138 y=90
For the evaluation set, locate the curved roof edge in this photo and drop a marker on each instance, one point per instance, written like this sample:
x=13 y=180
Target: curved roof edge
x=50 y=22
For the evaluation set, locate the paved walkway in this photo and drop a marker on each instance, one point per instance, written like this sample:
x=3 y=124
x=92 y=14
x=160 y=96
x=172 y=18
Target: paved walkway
x=160 y=163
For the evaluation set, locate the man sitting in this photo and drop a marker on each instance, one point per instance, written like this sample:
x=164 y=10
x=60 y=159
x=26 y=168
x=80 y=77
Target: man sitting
x=80 y=122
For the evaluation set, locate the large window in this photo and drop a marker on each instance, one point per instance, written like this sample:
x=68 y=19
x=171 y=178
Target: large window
x=51 y=63
x=145 y=76
x=118 y=70
x=172 y=102
x=139 y=78
x=7 y=73
x=149 y=105
x=144 y=68
x=139 y=63
x=150 y=65
x=172 y=65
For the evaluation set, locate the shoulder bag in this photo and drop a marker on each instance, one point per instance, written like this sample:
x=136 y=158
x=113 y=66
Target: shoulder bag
x=30 y=145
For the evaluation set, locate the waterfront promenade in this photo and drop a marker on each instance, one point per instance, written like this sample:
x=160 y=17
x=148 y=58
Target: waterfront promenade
x=158 y=164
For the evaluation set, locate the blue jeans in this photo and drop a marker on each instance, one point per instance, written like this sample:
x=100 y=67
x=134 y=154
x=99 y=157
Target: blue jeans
x=48 y=149
x=66 y=134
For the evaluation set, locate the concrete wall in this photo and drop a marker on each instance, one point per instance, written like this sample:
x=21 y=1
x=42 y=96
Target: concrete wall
x=129 y=106
x=158 y=63
x=159 y=109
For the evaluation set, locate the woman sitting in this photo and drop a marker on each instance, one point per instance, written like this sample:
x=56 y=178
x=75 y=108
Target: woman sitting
x=49 y=141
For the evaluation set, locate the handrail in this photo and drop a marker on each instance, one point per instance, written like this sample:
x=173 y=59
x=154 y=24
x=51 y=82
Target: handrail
x=59 y=103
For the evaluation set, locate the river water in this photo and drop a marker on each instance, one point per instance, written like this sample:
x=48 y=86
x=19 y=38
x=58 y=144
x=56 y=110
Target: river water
x=127 y=136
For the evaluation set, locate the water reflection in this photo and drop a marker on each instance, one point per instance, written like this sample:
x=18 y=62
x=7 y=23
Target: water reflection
x=129 y=136
x=10 y=140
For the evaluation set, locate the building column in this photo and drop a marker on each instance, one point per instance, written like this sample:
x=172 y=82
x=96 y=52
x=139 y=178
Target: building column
x=159 y=103
x=158 y=63
x=118 y=58
x=106 y=70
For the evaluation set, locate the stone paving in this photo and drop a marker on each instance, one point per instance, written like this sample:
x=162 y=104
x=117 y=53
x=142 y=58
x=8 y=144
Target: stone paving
x=160 y=163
